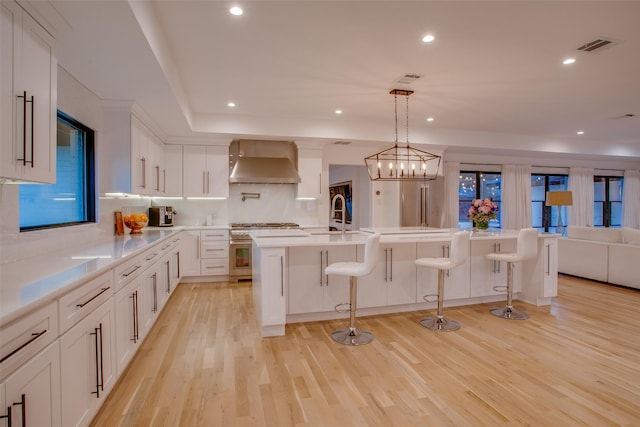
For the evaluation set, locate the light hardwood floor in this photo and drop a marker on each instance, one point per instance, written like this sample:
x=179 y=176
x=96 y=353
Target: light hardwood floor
x=575 y=363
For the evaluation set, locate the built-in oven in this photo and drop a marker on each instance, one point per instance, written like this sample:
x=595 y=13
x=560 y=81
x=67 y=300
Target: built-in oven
x=240 y=267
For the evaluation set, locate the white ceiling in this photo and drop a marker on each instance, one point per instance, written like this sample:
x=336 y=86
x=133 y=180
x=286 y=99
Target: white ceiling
x=495 y=68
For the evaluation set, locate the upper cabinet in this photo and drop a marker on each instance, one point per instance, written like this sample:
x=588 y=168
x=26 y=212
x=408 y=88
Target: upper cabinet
x=205 y=171
x=310 y=171
x=28 y=82
x=134 y=160
x=172 y=177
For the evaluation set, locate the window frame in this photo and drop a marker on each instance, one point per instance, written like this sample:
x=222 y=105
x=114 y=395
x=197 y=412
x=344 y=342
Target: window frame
x=607 y=202
x=89 y=176
x=466 y=222
x=547 y=214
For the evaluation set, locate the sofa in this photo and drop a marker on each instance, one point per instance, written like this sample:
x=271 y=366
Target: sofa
x=610 y=255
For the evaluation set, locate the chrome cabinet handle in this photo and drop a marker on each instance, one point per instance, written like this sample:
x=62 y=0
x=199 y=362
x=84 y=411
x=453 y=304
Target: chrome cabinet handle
x=154 y=309
x=391 y=264
x=178 y=264
x=548 y=260
x=281 y=275
x=326 y=264
x=386 y=264
x=157 y=178
x=134 y=299
x=143 y=160
x=321 y=268
x=128 y=273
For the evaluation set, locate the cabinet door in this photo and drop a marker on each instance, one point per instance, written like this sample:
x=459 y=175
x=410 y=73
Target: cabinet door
x=194 y=171
x=35 y=389
x=164 y=280
x=489 y=274
x=550 y=271
x=401 y=274
x=88 y=370
x=306 y=279
x=190 y=253
x=127 y=327
x=217 y=172
x=140 y=162
x=456 y=281
x=29 y=152
x=310 y=171
x=150 y=299
x=172 y=176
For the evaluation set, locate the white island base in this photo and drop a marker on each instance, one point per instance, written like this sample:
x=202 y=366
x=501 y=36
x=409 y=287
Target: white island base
x=289 y=284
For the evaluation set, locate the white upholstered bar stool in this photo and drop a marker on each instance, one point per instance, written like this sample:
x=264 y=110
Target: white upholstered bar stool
x=458 y=253
x=351 y=335
x=526 y=248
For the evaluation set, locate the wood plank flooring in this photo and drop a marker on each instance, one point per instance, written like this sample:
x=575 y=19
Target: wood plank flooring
x=575 y=363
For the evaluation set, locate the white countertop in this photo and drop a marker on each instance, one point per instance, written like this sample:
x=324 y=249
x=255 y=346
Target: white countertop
x=30 y=283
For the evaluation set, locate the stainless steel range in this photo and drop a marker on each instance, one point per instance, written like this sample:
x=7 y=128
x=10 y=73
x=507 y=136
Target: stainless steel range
x=240 y=246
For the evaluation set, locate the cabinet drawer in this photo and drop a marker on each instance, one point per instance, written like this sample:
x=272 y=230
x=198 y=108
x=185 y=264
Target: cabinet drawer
x=25 y=337
x=214 y=249
x=214 y=234
x=214 y=267
x=77 y=304
x=127 y=271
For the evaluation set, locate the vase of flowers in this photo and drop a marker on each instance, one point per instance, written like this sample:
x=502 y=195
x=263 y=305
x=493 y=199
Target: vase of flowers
x=481 y=211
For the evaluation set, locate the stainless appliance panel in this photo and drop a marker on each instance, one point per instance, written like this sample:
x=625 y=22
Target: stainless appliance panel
x=414 y=204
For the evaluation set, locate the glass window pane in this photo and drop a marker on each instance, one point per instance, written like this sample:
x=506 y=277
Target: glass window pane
x=599 y=189
x=616 y=214
x=538 y=190
x=536 y=214
x=598 y=214
x=615 y=189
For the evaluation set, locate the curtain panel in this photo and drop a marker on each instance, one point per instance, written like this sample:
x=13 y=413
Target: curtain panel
x=581 y=185
x=631 y=199
x=516 y=197
x=451 y=200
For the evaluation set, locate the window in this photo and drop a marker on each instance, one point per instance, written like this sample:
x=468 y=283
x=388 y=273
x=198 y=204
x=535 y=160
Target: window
x=543 y=217
x=607 y=201
x=478 y=185
x=71 y=200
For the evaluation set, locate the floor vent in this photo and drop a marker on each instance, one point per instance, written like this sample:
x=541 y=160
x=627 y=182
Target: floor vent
x=595 y=45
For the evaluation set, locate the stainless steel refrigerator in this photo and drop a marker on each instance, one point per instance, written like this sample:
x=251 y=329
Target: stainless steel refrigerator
x=418 y=203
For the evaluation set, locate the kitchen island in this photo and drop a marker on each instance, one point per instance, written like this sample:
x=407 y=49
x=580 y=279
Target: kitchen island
x=289 y=284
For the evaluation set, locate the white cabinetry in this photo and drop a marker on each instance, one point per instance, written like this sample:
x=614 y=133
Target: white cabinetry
x=310 y=171
x=488 y=274
x=539 y=278
x=28 y=83
x=310 y=290
x=269 y=289
x=456 y=281
x=393 y=280
x=214 y=252
x=190 y=253
x=205 y=171
x=147 y=154
x=88 y=369
x=172 y=177
x=128 y=312
x=33 y=391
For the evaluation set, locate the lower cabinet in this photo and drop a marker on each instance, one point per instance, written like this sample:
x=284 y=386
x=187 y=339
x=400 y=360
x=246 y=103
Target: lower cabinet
x=456 y=281
x=393 y=280
x=32 y=393
x=128 y=312
x=190 y=253
x=88 y=369
x=488 y=274
x=310 y=290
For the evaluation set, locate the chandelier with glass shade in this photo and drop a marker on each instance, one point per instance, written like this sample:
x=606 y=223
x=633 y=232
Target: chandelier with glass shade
x=402 y=162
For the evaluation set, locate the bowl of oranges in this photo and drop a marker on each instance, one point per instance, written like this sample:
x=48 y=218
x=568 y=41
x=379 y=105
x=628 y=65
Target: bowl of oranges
x=136 y=222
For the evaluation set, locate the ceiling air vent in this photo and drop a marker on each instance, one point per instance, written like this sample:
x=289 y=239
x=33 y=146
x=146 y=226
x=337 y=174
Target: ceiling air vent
x=595 y=45
x=407 y=79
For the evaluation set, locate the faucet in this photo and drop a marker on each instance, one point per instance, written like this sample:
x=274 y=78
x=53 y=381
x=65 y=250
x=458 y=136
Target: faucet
x=343 y=209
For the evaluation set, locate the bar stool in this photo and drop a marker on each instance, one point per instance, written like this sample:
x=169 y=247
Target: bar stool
x=526 y=248
x=458 y=253
x=350 y=335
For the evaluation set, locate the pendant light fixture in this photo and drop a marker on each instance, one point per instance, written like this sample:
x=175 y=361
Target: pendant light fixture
x=402 y=162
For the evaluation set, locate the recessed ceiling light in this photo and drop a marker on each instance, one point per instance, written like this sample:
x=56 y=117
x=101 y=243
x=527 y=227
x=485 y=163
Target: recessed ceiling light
x=580 y=132
x=569 y=61
x=231 y=104
x=338 y=111
x=430 y=119
x=236 y=11
x=428 y=38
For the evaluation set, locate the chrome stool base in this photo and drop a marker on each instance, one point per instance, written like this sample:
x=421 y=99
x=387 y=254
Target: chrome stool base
x=351 y=336
x=509 y=313
x=440 y=324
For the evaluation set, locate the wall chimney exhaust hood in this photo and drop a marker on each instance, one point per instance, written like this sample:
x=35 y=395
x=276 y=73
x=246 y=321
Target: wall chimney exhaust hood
x=263 y=162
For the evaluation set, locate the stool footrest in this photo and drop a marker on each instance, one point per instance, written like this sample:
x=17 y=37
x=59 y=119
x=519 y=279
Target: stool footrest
x=500 y=288
x=339 y=307
x=427 y=298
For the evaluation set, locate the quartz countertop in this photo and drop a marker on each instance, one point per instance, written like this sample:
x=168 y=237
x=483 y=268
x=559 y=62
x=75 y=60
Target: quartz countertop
x=33 y=282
